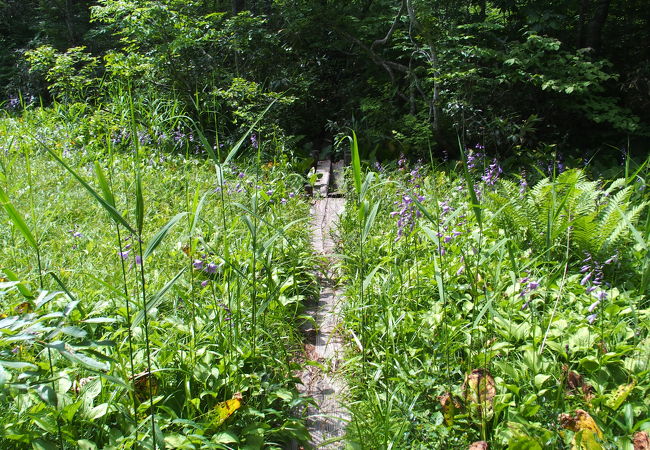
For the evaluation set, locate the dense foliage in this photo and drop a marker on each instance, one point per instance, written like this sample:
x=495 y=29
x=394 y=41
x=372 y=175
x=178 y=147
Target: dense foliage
x=154 y=158
x=482 y=309
x=408 y=75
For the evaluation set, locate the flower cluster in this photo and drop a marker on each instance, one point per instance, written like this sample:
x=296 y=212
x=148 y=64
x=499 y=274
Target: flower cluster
x=406 y=210
x=592 y=280
x=529 y=286
x=523 y=184
x=475 y=157
x=492 y=173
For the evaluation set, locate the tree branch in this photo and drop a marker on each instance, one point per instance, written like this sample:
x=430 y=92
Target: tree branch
x=392 y=28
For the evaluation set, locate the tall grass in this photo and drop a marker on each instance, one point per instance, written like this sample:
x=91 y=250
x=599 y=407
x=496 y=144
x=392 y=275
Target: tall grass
x=159 y=339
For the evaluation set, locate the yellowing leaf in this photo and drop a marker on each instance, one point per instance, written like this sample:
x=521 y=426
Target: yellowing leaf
x=617 y=397
x=225 y=409
x=23 y=308
x=480 y=389
x=143 y=384
x=450 y=405
x=586 y=430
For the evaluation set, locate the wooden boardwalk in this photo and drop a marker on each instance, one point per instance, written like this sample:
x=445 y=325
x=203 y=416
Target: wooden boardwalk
x=323 y=382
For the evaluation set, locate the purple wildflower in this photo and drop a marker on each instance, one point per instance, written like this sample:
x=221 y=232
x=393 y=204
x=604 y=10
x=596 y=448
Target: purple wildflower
x=198 y=264
x=204 y=283
x=254 y=142
x=601 y=295
x=138 y=260
x=492 y=173
x=211 y=268
x=124 y=255
x=523 y=185
x=591 y=318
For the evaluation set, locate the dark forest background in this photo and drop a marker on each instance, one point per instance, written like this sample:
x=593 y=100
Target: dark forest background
x=521 y=77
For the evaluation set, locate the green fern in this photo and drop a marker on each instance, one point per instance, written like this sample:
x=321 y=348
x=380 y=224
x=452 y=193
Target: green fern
x=568 y=209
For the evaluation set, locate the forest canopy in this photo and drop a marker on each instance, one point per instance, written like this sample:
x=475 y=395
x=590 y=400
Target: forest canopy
x=518 y=76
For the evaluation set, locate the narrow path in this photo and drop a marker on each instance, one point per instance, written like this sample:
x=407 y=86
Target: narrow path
x=323 y=382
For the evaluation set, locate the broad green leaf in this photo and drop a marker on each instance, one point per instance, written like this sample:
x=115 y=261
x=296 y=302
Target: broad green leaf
x=47 y=394
x=98 y=411
x=78 y=357
x=17 y=365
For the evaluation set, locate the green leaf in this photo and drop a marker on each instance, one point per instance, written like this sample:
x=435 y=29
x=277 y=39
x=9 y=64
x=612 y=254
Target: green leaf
x=157 y=239
x=17 y=365
x=369 y=221
x=356 y=163
x=98 y=411
x=103 y=185
x=25 y=292
x=4 y=376
x=235 y=149
x=17 y=220
x=79 y=358
x=225 y=437
x=85 y=444
x=47 y=394
x=42 y=444
x=139 y=202
x=540 y=379
x=116 y=216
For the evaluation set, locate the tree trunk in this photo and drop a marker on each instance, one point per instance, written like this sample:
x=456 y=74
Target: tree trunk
x=597 y=24
x=582 y=20
x=238 y=6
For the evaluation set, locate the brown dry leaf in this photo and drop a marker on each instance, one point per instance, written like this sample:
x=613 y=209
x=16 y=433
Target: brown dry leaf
x=479 y=445
x=141 y=383
x=574 y=380
x=450 y=405
x=480 y=389
x=580 y=421
x=641 y=440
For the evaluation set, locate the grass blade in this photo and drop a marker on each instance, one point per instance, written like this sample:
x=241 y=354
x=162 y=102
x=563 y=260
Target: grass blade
x=356 y=163
x=235 y=149
x=115 y=215
x=156 y=299
x=157 y=239
x=104 y=185
x=17 y=219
